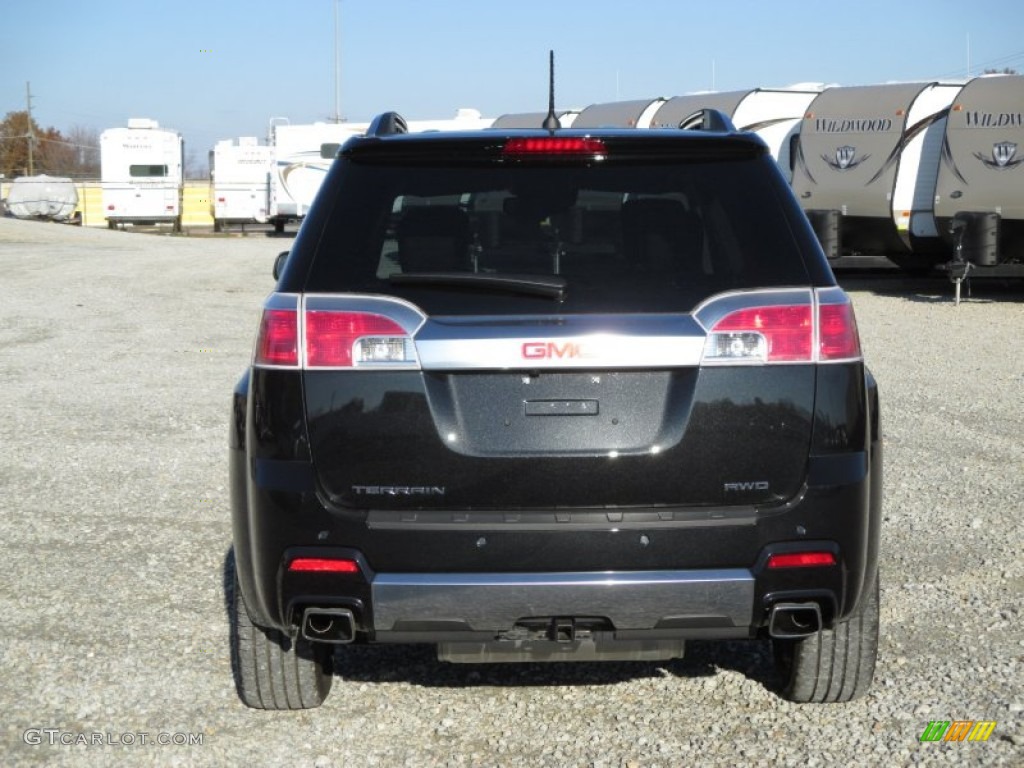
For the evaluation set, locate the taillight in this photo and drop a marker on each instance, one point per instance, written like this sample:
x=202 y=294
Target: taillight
x=779 y=334
x=787 y=326
x=316 y=332
x=837 y=332
x=278 y=340
x=348 y=339
x=556 y=145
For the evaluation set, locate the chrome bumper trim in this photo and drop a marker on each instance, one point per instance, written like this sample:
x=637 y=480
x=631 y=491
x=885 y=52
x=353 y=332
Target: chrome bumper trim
x=630 y=600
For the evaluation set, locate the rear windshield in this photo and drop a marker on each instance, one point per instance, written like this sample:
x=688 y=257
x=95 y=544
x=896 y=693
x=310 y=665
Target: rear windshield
x=625 y=237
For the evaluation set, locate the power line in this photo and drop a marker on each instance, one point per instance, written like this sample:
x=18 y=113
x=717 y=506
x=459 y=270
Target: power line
x=1000 y=61
x=68 y=143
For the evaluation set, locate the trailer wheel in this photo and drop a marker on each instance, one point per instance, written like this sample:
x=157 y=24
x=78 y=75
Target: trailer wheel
x=273 y=670
x=833 y=665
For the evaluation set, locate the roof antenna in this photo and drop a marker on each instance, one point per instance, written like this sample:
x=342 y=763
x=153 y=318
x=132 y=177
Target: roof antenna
x=551 y=122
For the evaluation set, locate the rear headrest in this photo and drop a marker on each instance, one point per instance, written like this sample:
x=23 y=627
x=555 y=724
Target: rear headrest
x=658 y=231
x=433 y=239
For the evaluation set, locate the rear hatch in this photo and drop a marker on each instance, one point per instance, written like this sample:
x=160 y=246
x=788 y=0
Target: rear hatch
x=531 y=334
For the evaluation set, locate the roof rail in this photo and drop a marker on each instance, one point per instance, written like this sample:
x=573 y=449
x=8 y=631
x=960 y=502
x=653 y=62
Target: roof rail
x=387 y=124
x=708 y=120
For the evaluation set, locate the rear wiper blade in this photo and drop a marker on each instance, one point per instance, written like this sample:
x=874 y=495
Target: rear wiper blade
x=549 y=286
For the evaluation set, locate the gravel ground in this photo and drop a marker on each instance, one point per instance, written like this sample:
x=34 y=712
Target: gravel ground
x=118 y=352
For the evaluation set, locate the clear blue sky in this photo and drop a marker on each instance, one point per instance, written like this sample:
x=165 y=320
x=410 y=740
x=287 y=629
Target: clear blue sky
x=218 y=69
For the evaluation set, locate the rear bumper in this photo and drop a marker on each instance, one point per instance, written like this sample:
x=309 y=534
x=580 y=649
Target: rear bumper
x=694 y=578
x=626 y=605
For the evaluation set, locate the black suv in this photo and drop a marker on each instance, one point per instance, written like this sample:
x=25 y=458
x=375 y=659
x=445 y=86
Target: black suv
x=555 y=395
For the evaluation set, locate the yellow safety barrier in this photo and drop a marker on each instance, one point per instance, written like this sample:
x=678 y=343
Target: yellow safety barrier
x=90 y=204
x=197 y=204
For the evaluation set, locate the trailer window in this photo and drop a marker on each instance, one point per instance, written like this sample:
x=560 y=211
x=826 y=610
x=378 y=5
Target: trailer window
x=147 y=171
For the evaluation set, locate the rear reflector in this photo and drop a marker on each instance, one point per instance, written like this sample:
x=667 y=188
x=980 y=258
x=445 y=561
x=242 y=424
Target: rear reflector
x=347 y=339
x=323 y=565
x=801 y=560
x=556 y=145
x=278 y=340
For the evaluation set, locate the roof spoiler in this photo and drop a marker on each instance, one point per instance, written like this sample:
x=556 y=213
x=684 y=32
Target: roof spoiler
x=387 y=124
x=708 y=120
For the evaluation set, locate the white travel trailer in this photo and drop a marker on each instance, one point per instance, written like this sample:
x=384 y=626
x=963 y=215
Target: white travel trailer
x=298 y=169
x=774 y=114
x=141 y=173
x=864 y=169
x=981 y=176
x=240 y=174
x=534 y=119
x=464 y=120
x=619 y=114
x=300 y=166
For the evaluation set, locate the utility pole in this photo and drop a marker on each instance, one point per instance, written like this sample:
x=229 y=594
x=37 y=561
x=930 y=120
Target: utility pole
x=28 y=130
x=337 y=67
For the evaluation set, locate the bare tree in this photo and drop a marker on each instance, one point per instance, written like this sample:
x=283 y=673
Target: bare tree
x=196 y=167
x=85 y=142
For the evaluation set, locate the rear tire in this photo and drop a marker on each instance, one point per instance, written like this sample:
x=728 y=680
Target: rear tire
x=273 y=670
x=833 y=665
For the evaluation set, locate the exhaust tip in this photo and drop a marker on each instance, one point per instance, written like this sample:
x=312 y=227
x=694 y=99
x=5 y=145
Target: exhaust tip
x=792 y=620
x=328 y=625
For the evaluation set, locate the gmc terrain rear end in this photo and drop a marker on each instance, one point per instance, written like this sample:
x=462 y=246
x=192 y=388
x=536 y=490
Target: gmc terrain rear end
x=532 y=395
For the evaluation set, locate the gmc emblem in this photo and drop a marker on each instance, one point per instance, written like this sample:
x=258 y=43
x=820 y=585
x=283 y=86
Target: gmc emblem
x=553 y=350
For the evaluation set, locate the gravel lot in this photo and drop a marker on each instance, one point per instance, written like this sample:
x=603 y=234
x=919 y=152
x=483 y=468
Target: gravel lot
x=118 y=352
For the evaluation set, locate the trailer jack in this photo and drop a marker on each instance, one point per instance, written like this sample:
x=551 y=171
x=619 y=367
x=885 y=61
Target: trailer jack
x=959 y=271
x=959 y=268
